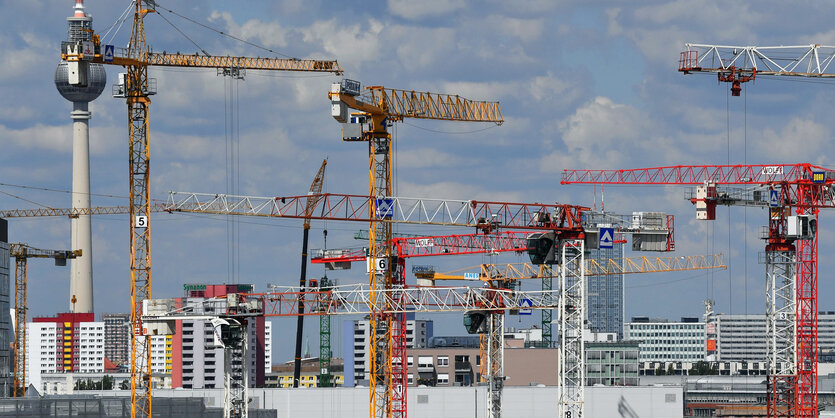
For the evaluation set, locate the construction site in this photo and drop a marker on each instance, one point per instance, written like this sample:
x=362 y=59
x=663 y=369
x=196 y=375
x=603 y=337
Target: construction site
x=439 y=209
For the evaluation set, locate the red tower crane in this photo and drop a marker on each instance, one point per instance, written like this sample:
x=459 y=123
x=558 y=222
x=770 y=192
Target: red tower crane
x=794 y=195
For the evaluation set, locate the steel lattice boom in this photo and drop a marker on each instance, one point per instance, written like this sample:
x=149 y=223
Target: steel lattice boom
x=740 y=64
x=699 y=174
x=344 y=207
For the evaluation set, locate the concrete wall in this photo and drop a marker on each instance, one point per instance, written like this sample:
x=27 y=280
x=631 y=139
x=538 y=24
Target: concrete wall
x=459 y=402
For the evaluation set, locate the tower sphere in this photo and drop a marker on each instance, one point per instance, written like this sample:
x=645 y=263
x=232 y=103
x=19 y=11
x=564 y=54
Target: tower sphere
x=96 y=81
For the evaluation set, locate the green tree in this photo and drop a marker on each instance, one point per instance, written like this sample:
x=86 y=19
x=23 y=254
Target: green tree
x=107 y=382
x=671 y=370
x=660 y=370
x=125 y=385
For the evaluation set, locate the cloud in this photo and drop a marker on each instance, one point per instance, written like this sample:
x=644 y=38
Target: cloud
x=526 y=30
x=354 y=44
x=415 y=10
x=411 y=45
x=800 y=140
x=426 y=158
x=268 y=34
x=661 y=30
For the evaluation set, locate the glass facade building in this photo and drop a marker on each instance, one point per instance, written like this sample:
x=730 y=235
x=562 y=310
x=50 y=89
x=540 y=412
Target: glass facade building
x=605 y=294
x=6 y=378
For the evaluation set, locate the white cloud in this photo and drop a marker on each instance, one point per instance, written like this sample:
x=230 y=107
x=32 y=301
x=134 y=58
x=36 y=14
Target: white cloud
x=523 y=29
x=426 y=158
x=53 y=138
x=414 y=10
x=412 y=45
x=800 y=140
x=660 y=30
x=268 y=34
x=354 y=45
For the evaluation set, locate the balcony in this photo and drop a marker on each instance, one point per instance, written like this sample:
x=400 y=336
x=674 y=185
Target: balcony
x=426 y=368
x=463 y=366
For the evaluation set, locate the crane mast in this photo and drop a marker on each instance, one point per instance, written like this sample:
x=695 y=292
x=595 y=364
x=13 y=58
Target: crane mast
x=380 y=107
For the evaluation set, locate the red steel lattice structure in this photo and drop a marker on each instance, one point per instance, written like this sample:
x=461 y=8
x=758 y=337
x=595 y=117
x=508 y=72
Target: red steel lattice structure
x=806 y=189
x=487 y=217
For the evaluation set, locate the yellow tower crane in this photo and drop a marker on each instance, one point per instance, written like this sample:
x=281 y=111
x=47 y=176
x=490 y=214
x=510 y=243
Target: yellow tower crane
x=137 y=88
x=378 y=108
x=21 y=253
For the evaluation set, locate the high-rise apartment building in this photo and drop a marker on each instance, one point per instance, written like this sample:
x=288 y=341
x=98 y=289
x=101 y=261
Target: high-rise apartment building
x=197 y=362
x=5 y=317
x=68 y=342
x=117 y=338
x=357 y=335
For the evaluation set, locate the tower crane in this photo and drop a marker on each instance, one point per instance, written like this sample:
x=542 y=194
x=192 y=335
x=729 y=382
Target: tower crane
x=651 y=231
x=315 y=192
x=794 y=195
x=736 y=65
x=563 y=225
x=137 y=87
x=22 y=253
x=483 y=216
x=378 y=108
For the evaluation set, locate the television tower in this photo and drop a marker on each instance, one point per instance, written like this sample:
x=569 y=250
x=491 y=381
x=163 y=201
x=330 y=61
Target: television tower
x=93 y=82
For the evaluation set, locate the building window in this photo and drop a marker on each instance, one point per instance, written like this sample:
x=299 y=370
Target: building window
x=410 y=361
x=425 y=361
x=443 y=378
x=443 y=361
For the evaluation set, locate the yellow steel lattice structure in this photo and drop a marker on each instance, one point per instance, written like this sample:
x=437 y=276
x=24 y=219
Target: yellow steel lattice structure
x=628 y=265
x=21 y=253
x=400 y=104
x=381 y=106
x=137 y=89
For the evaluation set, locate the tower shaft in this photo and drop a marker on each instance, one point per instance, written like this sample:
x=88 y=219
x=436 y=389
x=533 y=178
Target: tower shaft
x=81 y=269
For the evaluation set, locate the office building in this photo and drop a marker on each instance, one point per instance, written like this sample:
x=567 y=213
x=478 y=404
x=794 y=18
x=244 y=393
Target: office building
x=612 y=363
x=743 y=338
x=663 y=341
x=605 y=294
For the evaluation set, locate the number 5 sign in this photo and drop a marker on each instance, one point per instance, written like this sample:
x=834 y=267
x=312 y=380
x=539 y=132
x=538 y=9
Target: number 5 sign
x=140 y=221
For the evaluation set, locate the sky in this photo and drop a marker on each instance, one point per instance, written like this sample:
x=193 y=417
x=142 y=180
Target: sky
x=581 y=85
